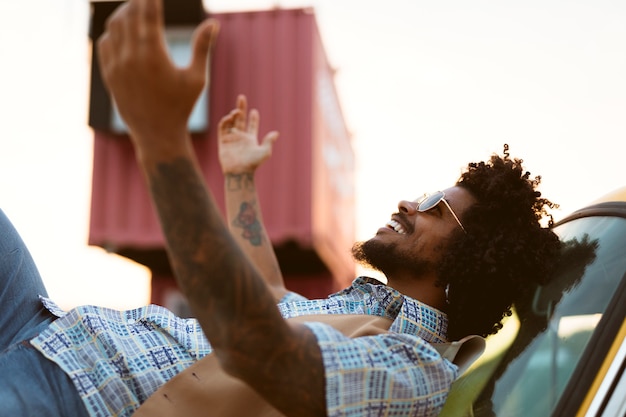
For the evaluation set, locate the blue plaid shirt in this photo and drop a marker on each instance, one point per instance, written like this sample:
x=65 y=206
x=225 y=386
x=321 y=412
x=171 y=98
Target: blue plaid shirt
x=117 y=359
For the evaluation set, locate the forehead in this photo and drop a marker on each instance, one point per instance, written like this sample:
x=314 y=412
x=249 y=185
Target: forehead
x=459 y=198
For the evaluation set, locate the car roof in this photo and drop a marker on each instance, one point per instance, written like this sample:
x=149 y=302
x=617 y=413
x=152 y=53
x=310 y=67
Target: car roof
x=616 y=195
x=611 y=204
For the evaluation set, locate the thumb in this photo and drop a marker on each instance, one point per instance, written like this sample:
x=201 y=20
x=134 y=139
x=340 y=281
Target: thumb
x=268 y=141
x=204 y=38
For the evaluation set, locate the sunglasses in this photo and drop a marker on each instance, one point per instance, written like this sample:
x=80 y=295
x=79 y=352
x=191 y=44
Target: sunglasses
x=430 y=201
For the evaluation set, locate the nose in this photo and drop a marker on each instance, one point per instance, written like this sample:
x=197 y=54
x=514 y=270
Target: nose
x=407 y=207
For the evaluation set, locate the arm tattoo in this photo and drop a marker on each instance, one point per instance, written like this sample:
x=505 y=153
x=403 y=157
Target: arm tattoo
x=248 y=220
x=238 y=182
x=229 y=298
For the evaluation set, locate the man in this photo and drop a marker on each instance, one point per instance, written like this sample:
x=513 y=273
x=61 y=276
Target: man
x=454 y=262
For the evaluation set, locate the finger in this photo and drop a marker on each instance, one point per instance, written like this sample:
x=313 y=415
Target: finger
x=227 y=123
x=111 y=41
x=268 y=141
x=242 y=106
x=115 y=25
x=214 y=31
x=130 y=23
x=204 y=37
x=253 y=123
x=149 y=17
x=104 y=56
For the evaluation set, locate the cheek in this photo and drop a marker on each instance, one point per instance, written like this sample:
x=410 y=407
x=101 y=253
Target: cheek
x=429 y=248
x=439 y=251
x=416 y=247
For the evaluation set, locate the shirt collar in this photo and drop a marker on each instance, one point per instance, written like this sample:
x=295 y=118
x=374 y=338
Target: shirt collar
x=411 y=315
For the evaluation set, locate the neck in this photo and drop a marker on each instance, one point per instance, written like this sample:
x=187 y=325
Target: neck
x=422 y=289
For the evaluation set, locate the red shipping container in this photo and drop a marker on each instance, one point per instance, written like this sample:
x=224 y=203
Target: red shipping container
x=306 y=190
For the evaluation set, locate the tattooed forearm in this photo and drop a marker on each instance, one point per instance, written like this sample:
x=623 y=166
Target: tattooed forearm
x=218 y=280
x=246 y=224
x=229 y=298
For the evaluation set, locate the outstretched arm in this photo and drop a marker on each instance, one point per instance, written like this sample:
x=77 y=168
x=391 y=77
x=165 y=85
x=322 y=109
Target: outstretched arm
x=240 y=155
x=226 y=292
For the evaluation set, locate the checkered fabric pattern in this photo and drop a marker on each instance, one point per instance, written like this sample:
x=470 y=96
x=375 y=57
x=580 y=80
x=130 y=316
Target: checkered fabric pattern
x=117 y=359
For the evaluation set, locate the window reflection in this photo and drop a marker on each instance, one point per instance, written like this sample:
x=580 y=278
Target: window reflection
x=557 y=323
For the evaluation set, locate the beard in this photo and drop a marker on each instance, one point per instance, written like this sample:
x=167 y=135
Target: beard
x=388 y=259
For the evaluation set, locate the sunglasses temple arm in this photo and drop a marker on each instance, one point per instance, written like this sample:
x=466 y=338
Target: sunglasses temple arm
x=454 y=214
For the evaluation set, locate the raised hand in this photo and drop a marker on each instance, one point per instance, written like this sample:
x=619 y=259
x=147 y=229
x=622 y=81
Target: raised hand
x=239 y=149
x=152 y=94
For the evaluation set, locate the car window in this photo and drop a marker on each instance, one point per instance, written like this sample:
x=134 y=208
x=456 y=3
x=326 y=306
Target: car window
x=557 y=323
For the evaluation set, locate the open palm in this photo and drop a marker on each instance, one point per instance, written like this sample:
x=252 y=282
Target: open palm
x=239 y=148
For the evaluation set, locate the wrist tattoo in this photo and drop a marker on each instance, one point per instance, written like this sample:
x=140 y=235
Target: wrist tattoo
x=238 y=182
x=248 y=220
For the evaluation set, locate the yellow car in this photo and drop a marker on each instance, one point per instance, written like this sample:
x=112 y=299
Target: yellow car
x=562 y=353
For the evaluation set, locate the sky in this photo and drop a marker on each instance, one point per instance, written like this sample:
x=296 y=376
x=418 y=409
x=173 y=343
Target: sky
x=425 y=87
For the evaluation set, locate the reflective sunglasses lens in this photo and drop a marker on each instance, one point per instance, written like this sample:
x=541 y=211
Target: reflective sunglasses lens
x=430 y=201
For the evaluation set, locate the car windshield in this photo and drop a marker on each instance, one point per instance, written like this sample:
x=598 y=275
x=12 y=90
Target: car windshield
x=552 y=329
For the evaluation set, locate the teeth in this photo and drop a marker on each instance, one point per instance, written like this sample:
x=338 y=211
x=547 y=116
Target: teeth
x=396 y=226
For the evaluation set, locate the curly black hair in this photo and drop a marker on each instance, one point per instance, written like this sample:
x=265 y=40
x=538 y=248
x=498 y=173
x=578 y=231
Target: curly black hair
x=505 y=249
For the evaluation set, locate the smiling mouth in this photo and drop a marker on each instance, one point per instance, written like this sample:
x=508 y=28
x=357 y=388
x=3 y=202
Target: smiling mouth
x=397 y=227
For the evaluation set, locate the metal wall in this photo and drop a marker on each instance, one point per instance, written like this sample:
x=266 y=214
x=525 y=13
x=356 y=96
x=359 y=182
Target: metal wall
x=306 y=189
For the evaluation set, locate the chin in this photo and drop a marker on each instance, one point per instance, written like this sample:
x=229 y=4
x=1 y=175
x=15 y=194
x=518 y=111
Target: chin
x=384 y=256
x=372 y=253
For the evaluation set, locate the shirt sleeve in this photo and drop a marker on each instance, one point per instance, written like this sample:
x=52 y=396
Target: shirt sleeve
x=389 y=374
